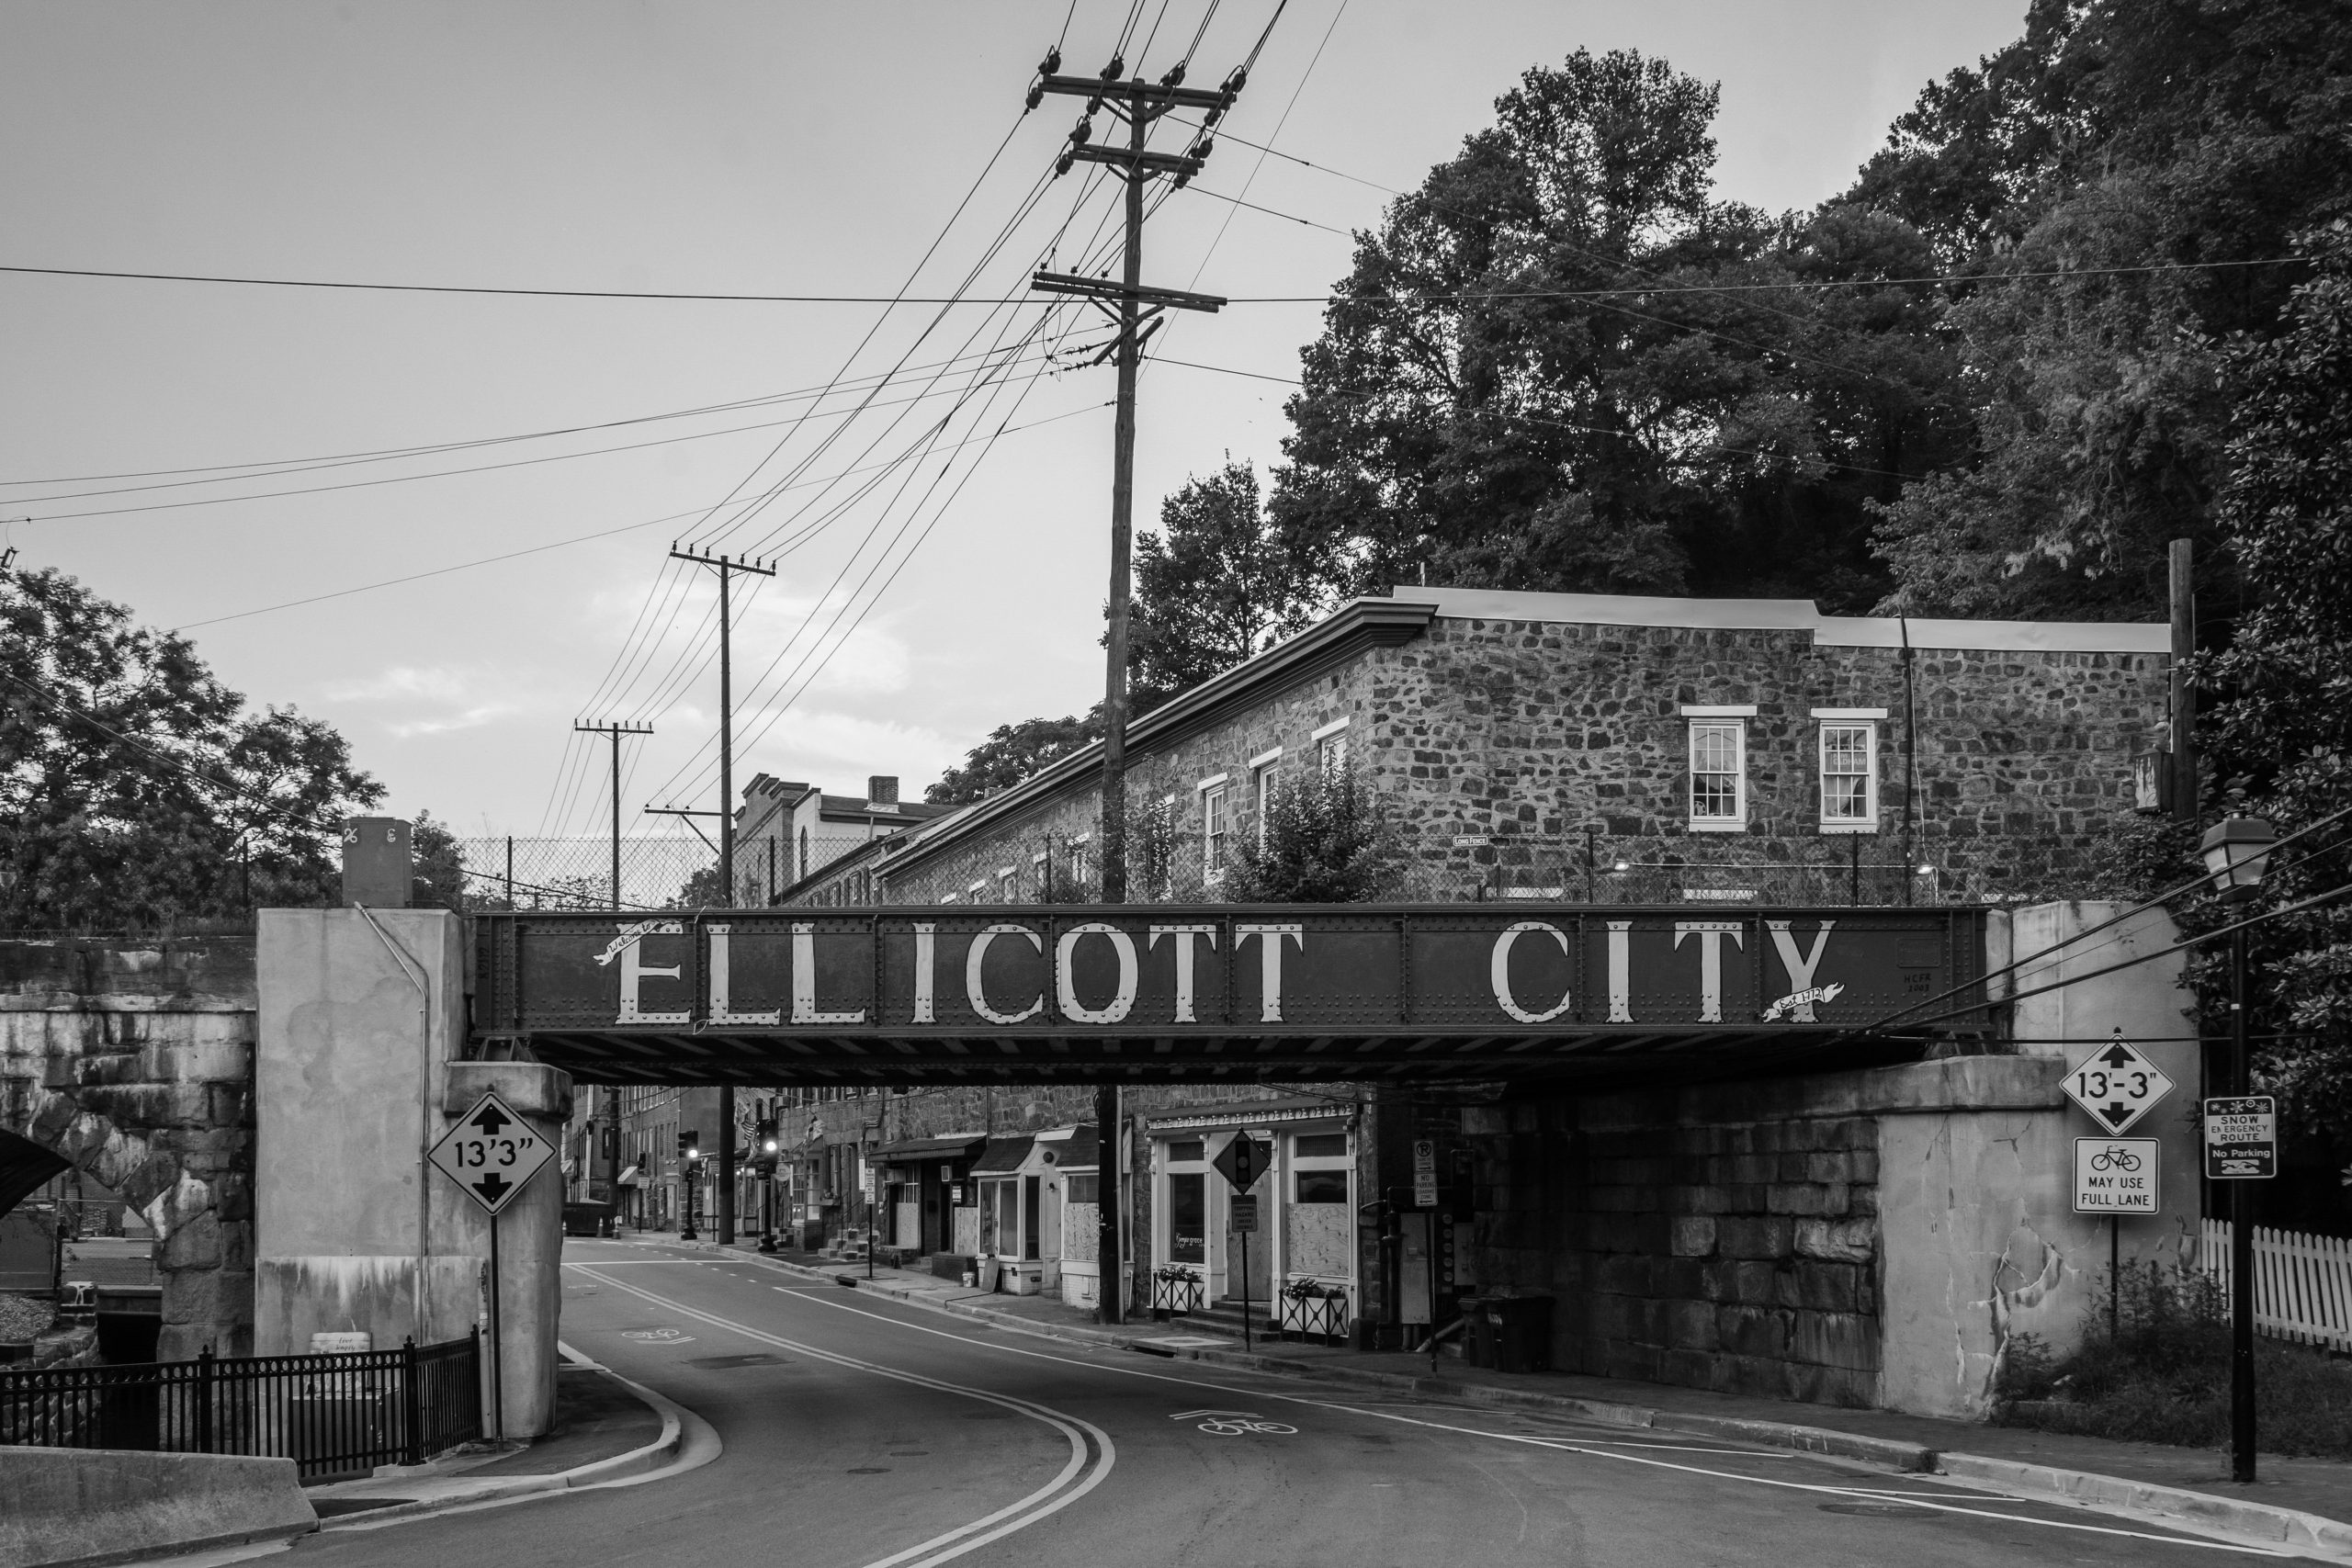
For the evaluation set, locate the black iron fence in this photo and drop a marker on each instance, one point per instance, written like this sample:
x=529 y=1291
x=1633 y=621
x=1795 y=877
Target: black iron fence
x=334 y=1415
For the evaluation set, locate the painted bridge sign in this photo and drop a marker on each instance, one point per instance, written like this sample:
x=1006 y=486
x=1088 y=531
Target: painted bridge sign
x=1042 y=991
x=491 y=1153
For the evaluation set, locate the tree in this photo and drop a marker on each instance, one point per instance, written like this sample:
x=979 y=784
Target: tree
x=1215 y=586
x=135 y=787
x=2281 y=738
x=1013 y=752
x=440 y=868
x=1324 y=843
x=1560 y=365
x=2186 y=135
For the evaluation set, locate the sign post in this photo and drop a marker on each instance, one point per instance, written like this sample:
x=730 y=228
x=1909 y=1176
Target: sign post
x=2115 y=1177
x=492 y=1154
x=1241 y=1162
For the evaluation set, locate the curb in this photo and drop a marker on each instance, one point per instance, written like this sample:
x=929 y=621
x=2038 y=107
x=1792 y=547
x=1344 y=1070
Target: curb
x=638 y=1464
x=2264 y=1523
x=2272 y=1526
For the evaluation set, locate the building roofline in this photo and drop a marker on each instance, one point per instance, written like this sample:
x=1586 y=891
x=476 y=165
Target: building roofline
x=1357 y=624
x=1792 y=614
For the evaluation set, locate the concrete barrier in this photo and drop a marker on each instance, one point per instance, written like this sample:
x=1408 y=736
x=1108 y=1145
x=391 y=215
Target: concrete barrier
x=86 y=1507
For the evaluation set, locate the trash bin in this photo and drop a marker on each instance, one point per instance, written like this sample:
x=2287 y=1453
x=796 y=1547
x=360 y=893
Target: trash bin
x=1522 y=1328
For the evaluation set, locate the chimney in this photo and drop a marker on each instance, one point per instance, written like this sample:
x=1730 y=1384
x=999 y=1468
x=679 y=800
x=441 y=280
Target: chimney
x=882 y=789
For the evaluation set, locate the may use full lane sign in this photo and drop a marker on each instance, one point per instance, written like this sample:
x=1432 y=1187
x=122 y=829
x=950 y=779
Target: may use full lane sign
x=2116 y=1176
x=491 y=1153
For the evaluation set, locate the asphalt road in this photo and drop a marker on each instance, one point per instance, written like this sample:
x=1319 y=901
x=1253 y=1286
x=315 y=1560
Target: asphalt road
x=865 y=1433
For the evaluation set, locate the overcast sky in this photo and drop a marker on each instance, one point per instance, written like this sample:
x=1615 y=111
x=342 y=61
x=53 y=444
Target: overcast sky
x=752 y=148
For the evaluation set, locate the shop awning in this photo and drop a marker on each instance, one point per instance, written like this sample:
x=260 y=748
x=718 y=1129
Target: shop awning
x=908 y=1150
x=1080 y=1151
x=1003 y=1154
x=632 y=1177
x=1250 y=1113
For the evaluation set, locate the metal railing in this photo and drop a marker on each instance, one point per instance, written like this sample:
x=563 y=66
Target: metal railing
x=332 y=1415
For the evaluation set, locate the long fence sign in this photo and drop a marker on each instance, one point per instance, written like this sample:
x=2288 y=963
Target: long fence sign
x=1032 y=982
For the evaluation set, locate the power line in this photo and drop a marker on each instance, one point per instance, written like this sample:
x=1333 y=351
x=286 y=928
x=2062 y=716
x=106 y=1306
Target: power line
x=270 y=468
x=947 y=299
x=552 y=544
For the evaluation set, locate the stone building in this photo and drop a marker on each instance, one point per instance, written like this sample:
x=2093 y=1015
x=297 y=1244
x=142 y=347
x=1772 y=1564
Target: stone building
x=1731 y=750
x=1581 y=748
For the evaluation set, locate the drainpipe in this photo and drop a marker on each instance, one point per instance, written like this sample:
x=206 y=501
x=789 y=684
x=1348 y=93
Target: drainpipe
x=1910 y=758
x=416 y=977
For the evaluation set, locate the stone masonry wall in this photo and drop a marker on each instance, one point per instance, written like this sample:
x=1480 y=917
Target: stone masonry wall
x=1509 y=733
x=1490 y=742
x=1688 y=1238
x=134 y=1062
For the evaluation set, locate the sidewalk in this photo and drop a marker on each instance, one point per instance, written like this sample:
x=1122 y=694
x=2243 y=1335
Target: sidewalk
x=604 y=1429
x=2299 y=1503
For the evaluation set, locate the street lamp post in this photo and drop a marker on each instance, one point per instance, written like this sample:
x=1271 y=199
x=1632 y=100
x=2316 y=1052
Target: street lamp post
x=2236 y=854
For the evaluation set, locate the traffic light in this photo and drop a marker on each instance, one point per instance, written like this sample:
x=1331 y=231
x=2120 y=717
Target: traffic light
x=764 y=1141
x=690 y=1145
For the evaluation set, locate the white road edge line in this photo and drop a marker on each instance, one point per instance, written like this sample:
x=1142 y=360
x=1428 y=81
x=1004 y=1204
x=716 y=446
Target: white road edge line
x=1057 y=1495
x=1557 y=1444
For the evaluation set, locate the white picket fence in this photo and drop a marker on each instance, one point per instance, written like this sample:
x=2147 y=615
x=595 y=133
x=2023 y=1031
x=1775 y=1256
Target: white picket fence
x=2302 y=1284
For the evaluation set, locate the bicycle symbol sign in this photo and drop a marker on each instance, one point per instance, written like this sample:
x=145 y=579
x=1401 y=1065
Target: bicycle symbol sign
x=1234 y=1423
x=2116 y=1176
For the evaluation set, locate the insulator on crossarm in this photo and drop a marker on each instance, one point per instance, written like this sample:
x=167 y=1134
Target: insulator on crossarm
x=1083 y=132
x=1204 y=147
x=1183 y=178
x=1062 y=164
x=1116 y=69
x=1212 y=116
x=1036 y=96
x=1053 y=61
x=1235 y=83
x=1175 y=77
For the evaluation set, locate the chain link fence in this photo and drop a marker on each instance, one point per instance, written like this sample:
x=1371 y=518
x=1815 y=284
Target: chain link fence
x=657 y=872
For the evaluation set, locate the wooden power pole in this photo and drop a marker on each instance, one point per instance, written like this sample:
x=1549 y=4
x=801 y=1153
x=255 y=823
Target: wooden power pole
x=726 y=567
x=616 y=731
x=1137 y=309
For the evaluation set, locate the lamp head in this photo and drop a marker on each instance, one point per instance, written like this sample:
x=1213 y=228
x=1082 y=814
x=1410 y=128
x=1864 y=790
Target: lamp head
x=2236 y=852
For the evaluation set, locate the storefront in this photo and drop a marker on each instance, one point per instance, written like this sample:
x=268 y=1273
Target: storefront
x=1300 y=1261
x=1038 y=1211
x=920 y=1177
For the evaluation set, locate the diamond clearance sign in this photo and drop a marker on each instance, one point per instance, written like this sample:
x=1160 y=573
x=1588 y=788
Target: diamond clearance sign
x=491 y=1153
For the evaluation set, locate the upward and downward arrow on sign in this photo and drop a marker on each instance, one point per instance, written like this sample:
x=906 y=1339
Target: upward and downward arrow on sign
x=489 y=1121
x=490 y=1186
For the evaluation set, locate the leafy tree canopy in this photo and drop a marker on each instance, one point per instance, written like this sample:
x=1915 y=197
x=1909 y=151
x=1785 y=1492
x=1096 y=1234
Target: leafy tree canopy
x=1562 y=364
x=1215 y=586
x=2281 y=738
x=1012 y=753
x=135 y=787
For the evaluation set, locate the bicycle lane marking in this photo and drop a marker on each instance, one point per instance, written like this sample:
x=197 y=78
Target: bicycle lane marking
x=1076 y=1479
x=1566 y=1445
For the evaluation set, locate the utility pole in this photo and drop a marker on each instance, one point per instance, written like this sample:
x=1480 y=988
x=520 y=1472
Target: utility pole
x=1139 y=314
x=2180 y=559
x=616 y=731
x=726 y=567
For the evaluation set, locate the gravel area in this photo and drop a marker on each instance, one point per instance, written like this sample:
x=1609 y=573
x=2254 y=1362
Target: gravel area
x=21 y=1317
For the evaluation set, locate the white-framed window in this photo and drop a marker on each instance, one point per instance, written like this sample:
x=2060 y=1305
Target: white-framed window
x=1078 y=854
x=975 y=891
x=947 y=898
x=1718 y=756
x=1262 y=789
x=1332 y=748
x=1216 y=825
x=1008 y=884
x=1850 y=774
